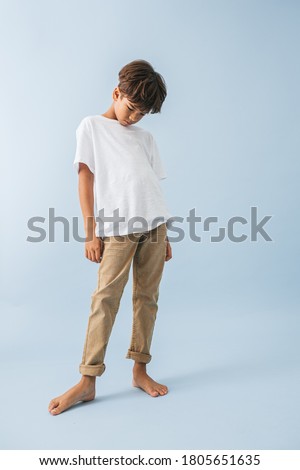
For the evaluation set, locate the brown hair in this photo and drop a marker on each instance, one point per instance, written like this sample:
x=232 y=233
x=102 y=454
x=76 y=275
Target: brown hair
x=142 y=86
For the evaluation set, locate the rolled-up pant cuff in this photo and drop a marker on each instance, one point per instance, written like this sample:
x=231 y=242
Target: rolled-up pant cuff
x=139 y=357
x=92 y=370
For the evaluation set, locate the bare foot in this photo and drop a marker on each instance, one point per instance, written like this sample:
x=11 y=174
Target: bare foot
x=83 y=391
x=142 y=380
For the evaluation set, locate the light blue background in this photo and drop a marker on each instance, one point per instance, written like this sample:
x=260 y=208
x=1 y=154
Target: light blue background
x=226 y=340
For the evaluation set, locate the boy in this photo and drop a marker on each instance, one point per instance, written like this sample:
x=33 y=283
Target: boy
x=118 y=163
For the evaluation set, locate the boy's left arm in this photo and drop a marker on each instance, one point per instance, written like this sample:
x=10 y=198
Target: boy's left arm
x=168 y=250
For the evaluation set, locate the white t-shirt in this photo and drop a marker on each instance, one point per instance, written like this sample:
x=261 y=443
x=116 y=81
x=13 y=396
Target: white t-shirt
x=127 y=168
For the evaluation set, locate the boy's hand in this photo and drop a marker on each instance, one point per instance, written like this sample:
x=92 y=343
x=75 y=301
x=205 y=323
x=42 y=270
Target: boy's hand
x=94 y=249
x=168 y=251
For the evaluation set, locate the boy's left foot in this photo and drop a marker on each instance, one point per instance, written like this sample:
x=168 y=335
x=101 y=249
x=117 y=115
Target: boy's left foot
x=142 y=380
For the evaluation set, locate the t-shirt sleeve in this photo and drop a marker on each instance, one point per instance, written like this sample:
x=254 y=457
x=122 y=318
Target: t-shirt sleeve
x=156 y=162
x=84 y=146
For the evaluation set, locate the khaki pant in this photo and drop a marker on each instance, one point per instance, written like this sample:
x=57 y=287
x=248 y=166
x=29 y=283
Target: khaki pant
x=148 y=251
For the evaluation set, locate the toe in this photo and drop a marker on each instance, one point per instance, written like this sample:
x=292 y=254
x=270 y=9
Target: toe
x=56 y=410
x=52 y=404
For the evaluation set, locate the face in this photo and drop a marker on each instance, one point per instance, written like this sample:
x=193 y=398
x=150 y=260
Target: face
x=126 y=112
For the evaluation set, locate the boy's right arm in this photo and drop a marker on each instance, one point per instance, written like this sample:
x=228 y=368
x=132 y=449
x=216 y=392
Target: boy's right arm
x=93 y=244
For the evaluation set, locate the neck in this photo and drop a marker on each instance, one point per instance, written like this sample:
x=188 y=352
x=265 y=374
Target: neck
x=110 y=113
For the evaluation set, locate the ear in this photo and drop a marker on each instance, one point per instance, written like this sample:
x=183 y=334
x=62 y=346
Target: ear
x=116 y=94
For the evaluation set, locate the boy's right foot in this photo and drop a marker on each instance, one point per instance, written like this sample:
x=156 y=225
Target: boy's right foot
x=83 y=391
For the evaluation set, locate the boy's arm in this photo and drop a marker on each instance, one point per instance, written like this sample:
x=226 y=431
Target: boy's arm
x=86 y=198
x=93 y=245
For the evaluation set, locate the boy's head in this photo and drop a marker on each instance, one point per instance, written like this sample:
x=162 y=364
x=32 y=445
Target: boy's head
x=140 y=91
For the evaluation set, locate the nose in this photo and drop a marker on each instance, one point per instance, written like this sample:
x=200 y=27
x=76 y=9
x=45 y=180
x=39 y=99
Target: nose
x=134 y=115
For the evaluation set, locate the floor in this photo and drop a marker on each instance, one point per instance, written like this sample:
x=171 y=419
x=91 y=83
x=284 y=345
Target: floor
x=232 y=385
